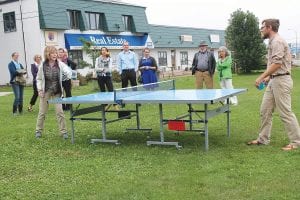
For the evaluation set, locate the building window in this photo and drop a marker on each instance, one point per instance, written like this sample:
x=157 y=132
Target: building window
x=95 y=21
x=76 y=56
x=9 y=21
x=162 y=58
x=183 y=58
x=128 y=23
x=74 y=16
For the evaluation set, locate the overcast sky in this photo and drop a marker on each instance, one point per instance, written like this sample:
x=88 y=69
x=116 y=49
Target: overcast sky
x=214 y=14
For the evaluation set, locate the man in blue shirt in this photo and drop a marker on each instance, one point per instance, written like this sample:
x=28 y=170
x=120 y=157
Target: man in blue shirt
x=127 y=63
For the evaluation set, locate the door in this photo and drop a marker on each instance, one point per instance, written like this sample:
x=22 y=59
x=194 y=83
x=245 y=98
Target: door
x=173 y=58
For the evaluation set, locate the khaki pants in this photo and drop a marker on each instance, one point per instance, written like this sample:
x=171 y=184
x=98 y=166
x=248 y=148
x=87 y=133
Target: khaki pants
x=278 y=95
x=43 y=109
x=204 y=76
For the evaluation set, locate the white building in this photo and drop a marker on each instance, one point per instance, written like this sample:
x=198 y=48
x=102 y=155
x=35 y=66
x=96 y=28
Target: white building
x=27 y=26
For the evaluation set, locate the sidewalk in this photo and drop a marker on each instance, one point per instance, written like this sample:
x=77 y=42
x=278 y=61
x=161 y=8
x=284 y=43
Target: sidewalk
x=5 y=93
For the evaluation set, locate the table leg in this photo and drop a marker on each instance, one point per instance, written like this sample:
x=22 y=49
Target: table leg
x=162 y=139
x=104 y=130
x=206 y=126
x=72 y=124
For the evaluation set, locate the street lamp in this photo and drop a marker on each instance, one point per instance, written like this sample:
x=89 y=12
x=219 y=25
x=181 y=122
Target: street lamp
x=296 y=33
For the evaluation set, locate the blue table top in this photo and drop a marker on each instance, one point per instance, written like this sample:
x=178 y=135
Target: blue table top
x=161 y=96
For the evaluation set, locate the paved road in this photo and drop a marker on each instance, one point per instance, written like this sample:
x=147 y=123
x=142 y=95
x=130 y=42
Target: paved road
x=5 y=93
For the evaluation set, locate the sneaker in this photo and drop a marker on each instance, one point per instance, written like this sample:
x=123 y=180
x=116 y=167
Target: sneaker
x=38 y=134
x=65 y=136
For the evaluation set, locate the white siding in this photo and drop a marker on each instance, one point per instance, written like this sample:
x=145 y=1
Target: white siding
x=13 y=41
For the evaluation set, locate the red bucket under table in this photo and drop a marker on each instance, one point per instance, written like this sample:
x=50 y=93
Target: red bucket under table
x=177 y=125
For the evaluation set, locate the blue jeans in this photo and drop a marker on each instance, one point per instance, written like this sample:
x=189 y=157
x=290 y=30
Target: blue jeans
x=18 y=92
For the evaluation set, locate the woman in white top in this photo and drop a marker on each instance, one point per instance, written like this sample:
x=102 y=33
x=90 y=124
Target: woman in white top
x=103 y=69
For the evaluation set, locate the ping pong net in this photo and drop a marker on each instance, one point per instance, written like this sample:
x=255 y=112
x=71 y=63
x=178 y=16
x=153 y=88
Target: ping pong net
x=120 y=94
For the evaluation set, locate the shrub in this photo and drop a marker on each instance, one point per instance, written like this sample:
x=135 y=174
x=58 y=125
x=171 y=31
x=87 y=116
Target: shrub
x=83 y=64
x=82 y=80
x=116 y=76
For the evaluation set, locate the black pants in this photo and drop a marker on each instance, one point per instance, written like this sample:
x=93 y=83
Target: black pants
x=35 y=94
x=105 y=80
x=128 y=75
x=67 y=86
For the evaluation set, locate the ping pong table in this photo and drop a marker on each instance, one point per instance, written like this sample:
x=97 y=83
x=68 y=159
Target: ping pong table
x=159 y=93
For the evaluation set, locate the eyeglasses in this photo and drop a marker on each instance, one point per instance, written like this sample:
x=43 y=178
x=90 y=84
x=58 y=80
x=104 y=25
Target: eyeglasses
x=261 y=28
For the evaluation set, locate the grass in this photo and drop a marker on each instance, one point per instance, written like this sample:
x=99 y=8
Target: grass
x=51 y=168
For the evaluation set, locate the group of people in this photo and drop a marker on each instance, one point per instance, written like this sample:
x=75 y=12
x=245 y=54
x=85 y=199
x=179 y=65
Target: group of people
x=204 y=66
x=52 y=77
x=128 y=66
x=277 y=78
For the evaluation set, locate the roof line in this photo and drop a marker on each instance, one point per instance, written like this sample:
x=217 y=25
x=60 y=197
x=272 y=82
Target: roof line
x=185 y=27
x=118 y=2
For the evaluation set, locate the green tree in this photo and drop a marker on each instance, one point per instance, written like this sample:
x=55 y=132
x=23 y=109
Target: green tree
x=243 y=38
x=90 y=49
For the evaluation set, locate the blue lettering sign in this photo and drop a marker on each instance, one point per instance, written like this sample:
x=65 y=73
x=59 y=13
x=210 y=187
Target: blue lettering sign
x=111 y=41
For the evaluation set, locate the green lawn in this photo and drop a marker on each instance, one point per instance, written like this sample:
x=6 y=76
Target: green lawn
x=50 y=168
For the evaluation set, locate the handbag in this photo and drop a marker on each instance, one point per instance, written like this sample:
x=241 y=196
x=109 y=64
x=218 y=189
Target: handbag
x=139 y=79
x=94 y=74
x=20 y=80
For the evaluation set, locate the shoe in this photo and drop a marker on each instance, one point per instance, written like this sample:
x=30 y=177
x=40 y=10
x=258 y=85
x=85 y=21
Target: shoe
x=30 y=109
x=289 y=147
x=38 y=134
x=254 y=142
x=65 y=136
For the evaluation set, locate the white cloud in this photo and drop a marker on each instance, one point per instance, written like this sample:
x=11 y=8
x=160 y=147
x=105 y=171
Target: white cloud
x=215 y=14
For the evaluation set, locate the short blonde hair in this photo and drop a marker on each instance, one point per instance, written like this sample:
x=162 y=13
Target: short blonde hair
x=48 y=50
x=36 y=56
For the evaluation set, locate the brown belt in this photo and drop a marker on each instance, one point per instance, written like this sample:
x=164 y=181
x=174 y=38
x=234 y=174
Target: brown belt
x=275 y=75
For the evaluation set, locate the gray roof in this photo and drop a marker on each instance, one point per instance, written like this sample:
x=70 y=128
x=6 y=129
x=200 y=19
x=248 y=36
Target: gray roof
x=7 y=1
x=53 y=14
x=170 y=36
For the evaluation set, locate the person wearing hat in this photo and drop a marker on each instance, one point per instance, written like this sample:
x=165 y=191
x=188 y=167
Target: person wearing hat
x=225 y=74
x=203 y=67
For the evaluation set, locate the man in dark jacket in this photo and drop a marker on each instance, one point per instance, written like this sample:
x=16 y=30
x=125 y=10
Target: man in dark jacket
x=203 y=67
